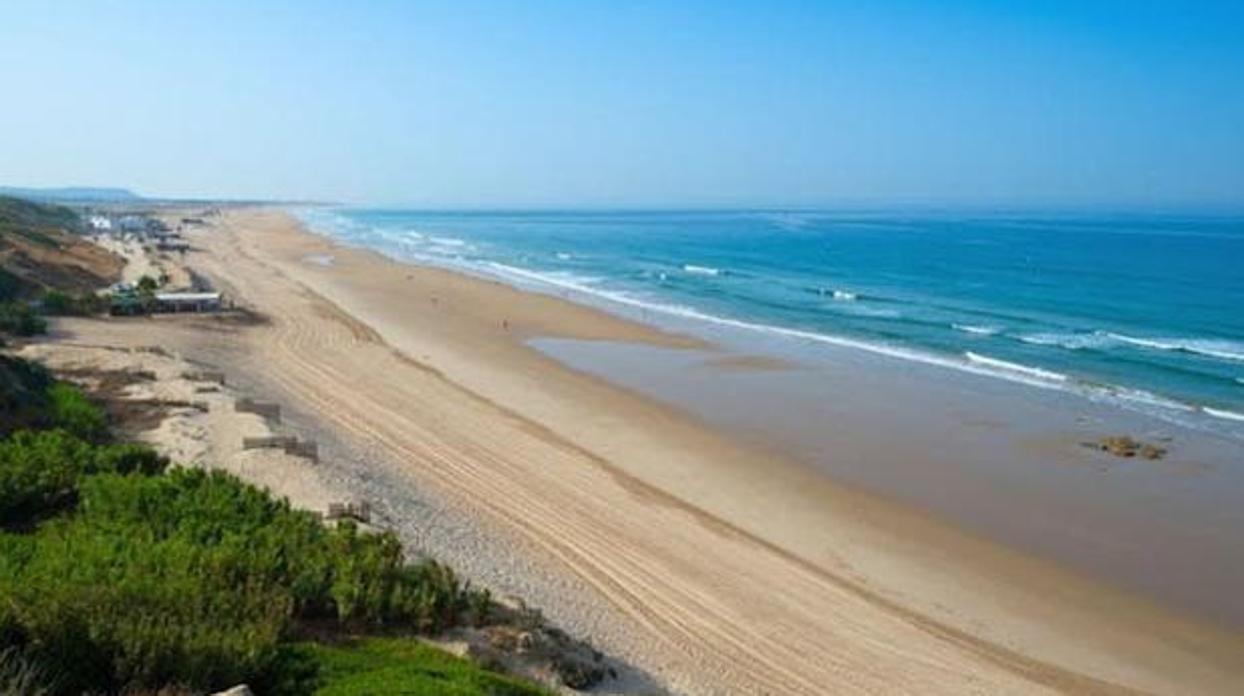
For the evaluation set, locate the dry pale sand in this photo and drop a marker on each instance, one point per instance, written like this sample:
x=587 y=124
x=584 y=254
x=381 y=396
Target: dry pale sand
x=206 y=431
x=717 y=569
x=141 y=261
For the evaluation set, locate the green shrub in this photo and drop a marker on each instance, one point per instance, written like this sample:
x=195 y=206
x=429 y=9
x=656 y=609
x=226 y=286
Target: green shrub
x=111 y=602
x=57 y=303
x=19 y=319
x=192 y=577
x=40 y=472
x=23 y=394
x=69 y=409
x=38 y=475
x=118 y=575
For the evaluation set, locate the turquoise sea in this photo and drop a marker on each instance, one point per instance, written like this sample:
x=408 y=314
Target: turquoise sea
x=1142 y=311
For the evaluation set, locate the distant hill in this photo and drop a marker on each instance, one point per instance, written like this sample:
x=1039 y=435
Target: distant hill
x=76 y=194
x=39 y=251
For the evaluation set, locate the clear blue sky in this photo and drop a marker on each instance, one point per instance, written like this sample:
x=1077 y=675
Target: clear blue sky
x=1092 y=102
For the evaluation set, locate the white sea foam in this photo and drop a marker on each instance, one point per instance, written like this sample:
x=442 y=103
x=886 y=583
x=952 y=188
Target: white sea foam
x=1213 y=348
x=1225 y=415
x=564 y=256
x=684 y=312
x=978 y=330
x=1140 y=396
x=844 y=296
x=1070 y=341
x=701 y=270
x=971 y=363
x=448 y=241
x=995 y=363
x=861 y=310
x=974 y=363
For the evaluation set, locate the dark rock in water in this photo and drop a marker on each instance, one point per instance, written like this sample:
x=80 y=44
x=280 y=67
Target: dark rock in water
x=1124 y=446
x=1152 y=452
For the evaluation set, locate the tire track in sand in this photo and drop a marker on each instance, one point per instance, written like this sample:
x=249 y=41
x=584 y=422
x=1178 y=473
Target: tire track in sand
x=738 y=613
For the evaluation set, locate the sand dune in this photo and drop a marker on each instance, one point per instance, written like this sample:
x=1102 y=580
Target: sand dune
x=723 y=570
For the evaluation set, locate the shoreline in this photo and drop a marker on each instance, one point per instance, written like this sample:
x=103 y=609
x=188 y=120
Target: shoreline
x=998 y=459
x=1181 y=411
x=732 y=568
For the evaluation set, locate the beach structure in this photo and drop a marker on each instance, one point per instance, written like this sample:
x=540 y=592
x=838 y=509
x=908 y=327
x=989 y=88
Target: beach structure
x=132 y=223
x=267 y=442
x=162 y=232
x=100 y=223
x=205 y=376
x=173 y=302
x=125 y=299
x=307 y=449
x=171 y=243
x=267 y=410
x=360 y=511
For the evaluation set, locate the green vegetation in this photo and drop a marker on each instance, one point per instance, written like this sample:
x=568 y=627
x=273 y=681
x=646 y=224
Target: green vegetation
x=43 y=267
x=394 y=665
x=119 y=574
x=23 y=395
x=57 y=303
x=41 y=472
x=20 y=319
x=36 y=222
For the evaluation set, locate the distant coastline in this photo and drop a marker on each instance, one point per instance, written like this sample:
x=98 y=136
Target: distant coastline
x=1189 y=380
x=519 y=437
x=476 y=333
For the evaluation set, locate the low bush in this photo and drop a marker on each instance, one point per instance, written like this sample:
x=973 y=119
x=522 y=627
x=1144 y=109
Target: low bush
x=70 y=410
x=40 y=472
x=57 y=303
x=118 y=575
x=191 y=577
x=20 y=319
x=23 y=394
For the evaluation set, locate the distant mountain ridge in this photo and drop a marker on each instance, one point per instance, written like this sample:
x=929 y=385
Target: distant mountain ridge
x=84 y=194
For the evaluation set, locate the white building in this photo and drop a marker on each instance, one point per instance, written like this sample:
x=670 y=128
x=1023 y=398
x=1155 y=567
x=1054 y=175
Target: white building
x=133 y=223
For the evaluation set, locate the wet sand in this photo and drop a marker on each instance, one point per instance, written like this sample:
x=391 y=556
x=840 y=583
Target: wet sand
x=1008 y=461
x=710 y=563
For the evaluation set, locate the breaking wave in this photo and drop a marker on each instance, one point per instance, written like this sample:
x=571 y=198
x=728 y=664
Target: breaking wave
x=701 y=270
x=1212 y=348
x=976 y=330
x=1027 y=370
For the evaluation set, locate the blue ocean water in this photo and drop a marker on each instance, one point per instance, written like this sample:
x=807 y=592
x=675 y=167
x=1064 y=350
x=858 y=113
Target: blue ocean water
x=1144 y=311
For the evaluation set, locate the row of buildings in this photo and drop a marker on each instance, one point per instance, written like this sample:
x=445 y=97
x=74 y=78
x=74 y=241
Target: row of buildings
x=151 y=232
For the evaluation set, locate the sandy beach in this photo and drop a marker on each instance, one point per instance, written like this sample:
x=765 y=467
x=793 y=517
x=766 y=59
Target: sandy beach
x=707 y=565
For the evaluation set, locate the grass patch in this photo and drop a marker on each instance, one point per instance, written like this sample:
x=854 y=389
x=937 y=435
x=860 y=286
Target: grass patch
x=404 y=666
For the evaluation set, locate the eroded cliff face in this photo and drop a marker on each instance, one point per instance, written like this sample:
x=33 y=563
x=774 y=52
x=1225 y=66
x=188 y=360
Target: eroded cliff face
x=39 y=251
